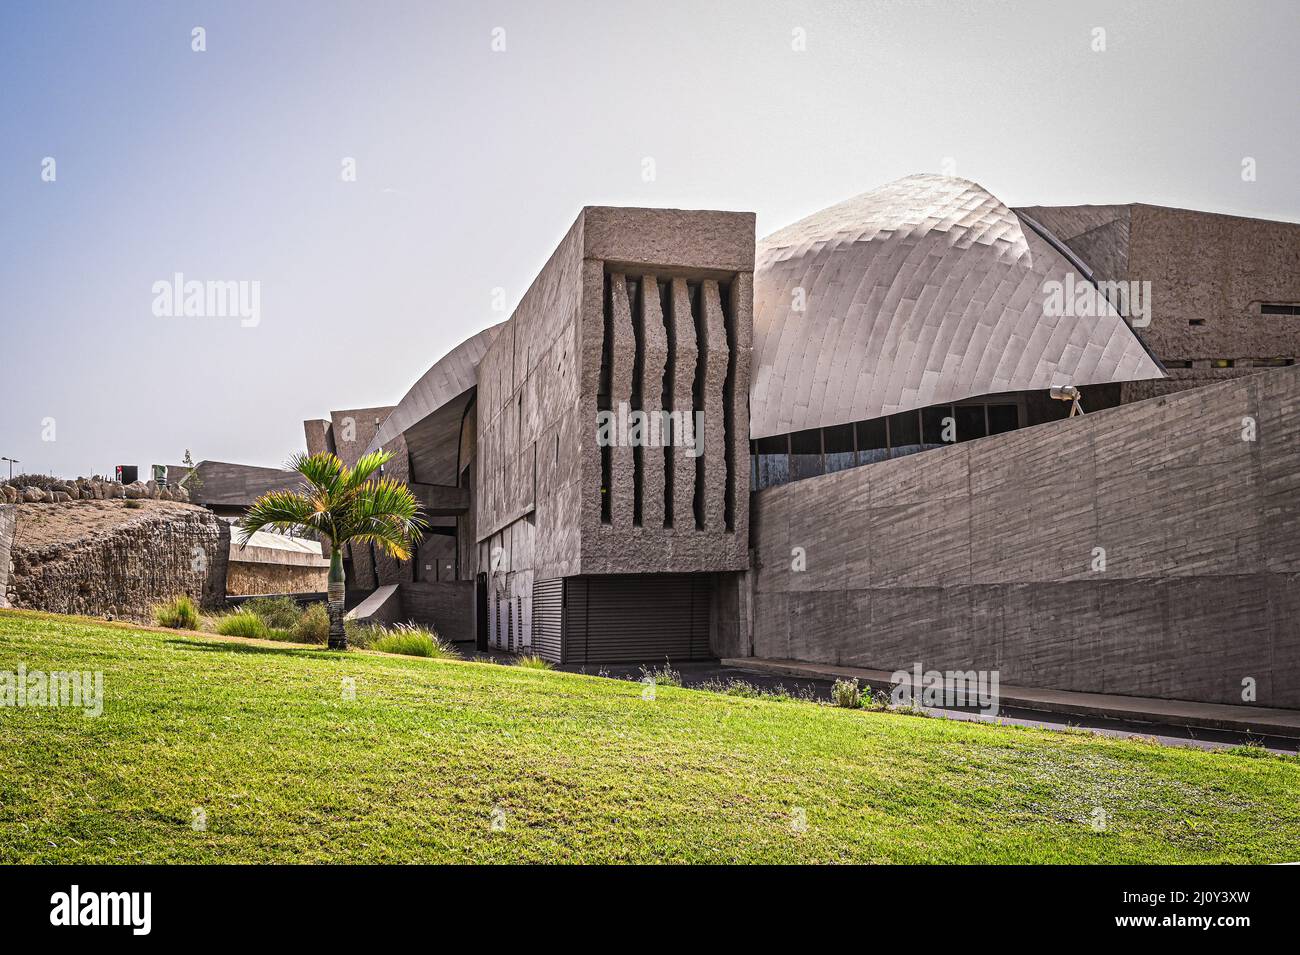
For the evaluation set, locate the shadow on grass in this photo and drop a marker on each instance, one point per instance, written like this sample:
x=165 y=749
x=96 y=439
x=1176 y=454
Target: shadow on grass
x=310 y=650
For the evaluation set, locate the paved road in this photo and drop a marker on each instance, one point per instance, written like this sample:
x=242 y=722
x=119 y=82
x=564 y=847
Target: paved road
x=696 y=673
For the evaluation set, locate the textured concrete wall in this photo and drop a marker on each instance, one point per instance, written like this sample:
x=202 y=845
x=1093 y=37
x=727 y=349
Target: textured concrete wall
x=122 y=568
x=236 y=485
x=539 y=486
x=447 y=605
x=382 y=607
x=1216 y=269
x=984 y=555
x=1208 y=274
x=247 y=579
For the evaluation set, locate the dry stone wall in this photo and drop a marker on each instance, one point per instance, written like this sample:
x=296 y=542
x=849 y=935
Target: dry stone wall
x=91 y=489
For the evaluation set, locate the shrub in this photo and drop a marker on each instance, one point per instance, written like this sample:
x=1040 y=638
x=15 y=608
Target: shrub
x=45 y=482
x=533 y=662
x=132 y=504
x=361 y=635
x=414 y=641
x=242 y=623
x=875 y=700
x=279 y=613
x=179 y=614
x=661 y=676
x=845 y=693
x=276 y=633
x=313 y=626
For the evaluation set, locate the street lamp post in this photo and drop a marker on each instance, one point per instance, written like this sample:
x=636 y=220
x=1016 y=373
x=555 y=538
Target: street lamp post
x=12 y=462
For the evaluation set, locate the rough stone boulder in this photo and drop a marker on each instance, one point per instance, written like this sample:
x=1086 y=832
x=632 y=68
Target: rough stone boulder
x=11 y=495
x=33 y=495
x=136 y=491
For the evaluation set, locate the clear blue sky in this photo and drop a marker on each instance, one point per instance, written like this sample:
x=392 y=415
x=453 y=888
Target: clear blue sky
x=471 y=164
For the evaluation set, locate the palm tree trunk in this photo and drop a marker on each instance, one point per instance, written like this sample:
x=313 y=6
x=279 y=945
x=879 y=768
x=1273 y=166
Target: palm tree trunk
x=338 y=635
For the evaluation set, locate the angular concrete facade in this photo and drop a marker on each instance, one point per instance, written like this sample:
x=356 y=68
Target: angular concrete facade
x=641 y=309
x=911 y=319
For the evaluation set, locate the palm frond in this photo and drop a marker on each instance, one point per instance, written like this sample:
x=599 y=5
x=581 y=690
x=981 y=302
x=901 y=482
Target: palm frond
x=280 y=511
x=385 y=512
x=324 y=472
x=343 y=504
x=366 y=465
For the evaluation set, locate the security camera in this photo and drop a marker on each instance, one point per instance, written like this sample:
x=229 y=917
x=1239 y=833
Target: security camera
x=1065 y=392
x=1068 y=393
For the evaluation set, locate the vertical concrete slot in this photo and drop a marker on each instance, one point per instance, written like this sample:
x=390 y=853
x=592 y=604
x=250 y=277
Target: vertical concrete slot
x=602 y=400
x=728 y=406
x=697 y=394
x=635 y=403
x=670 y=369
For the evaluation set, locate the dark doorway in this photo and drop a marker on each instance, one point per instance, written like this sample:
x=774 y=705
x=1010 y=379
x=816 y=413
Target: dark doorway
x=480 y=613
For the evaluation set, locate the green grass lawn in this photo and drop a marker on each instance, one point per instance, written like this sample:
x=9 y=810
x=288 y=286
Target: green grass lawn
x=576 y=769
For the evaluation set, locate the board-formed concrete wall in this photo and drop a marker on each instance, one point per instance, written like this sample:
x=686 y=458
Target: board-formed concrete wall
x=988 y=555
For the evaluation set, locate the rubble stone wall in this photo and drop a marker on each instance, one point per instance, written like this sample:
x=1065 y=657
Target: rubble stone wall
x=83 y=557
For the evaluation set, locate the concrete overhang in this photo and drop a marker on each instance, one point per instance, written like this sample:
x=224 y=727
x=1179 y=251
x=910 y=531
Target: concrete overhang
x=429 y=415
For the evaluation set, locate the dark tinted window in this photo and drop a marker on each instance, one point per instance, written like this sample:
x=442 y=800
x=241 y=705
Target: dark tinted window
x=904 y=433
x=1003 y=418
x=838 y=438
x=838 y=442
x=806 y=442
x=970 y=422
x=932 y=423
x=871 y=434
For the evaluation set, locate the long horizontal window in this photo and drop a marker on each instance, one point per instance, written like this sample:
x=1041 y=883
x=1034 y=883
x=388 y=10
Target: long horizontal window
x=783 y=458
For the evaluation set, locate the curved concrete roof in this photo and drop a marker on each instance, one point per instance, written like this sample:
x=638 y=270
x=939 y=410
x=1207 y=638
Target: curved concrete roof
x=435 y=404
x=925 y=290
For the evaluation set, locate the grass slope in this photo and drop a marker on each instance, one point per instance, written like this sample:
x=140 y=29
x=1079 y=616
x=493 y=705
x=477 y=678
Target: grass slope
x=285 y=769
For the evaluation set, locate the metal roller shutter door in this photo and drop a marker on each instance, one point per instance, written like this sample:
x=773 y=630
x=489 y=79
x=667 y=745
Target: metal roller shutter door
x=636 y=618
x=548 y=611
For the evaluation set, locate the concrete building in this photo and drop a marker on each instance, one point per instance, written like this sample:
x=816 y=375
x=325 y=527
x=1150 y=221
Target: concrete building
x=840 y=445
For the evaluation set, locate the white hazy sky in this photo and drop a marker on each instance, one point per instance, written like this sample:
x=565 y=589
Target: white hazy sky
x=471 y=164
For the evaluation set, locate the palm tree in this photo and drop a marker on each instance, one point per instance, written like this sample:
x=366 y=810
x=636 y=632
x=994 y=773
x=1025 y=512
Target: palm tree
x=344 y=505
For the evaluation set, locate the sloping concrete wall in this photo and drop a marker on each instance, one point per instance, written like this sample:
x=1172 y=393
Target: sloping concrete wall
x=988 y=555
